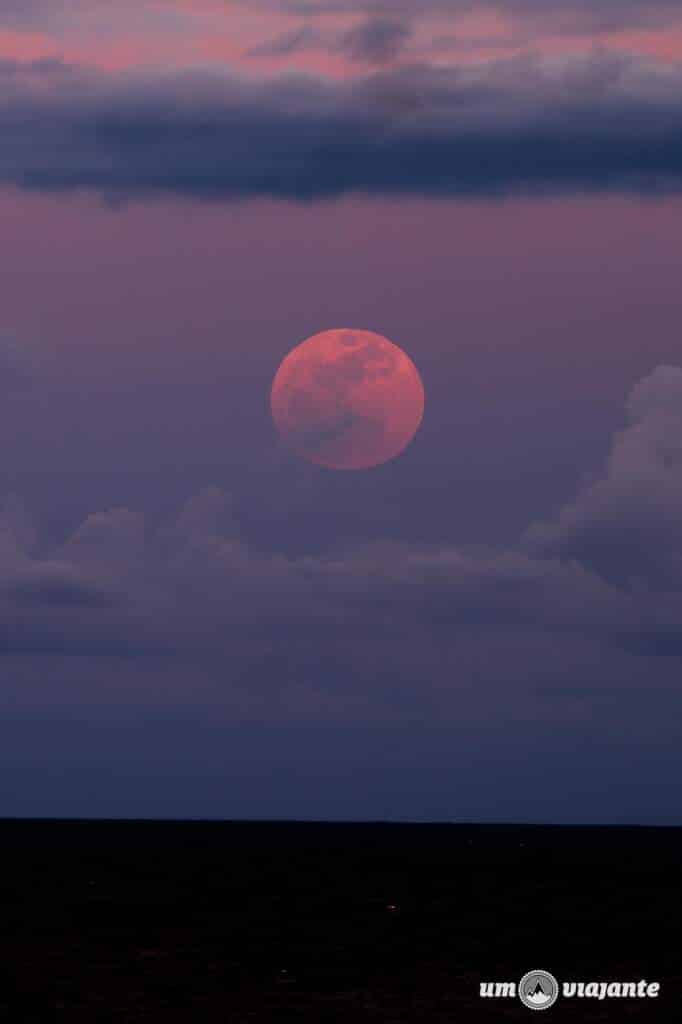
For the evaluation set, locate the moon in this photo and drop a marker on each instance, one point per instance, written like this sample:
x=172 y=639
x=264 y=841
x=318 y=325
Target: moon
x=347 y=399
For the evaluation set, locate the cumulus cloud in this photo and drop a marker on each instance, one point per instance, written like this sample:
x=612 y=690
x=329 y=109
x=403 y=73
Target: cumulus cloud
x=521 y=126
x=628 y=526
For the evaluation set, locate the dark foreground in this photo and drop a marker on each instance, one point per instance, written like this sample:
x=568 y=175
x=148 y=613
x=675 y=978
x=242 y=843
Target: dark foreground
x=241 y=923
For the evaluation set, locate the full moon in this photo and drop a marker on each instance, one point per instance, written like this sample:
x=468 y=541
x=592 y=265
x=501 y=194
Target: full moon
x=347 y=399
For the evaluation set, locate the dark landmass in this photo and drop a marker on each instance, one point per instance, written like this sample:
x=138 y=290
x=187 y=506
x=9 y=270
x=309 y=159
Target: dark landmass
x=262 y=922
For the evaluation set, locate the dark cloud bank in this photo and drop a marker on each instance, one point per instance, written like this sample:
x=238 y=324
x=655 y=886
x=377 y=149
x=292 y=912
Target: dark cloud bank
x=522 y=126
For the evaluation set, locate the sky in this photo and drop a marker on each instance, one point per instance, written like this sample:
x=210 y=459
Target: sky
x=196 y=622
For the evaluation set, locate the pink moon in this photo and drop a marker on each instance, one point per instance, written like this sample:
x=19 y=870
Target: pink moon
x=347 y=399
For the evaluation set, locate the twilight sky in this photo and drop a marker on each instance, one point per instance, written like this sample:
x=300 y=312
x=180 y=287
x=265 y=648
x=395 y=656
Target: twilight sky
x=197 y=623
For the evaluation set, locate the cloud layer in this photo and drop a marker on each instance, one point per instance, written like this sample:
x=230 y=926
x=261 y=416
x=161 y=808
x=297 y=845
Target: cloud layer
x=567 y=15
x=574 y=612
x=606 y=123
x=616 y=12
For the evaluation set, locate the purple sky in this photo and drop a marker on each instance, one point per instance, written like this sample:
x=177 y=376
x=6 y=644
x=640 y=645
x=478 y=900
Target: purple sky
x=195 y=622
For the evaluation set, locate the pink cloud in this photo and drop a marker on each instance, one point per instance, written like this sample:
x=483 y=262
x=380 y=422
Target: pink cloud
x=175 y=34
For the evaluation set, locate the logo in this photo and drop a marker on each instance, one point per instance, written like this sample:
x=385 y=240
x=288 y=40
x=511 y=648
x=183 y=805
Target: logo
x=538 y=990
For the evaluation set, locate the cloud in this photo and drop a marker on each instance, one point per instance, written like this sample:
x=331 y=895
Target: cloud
x=616 y=13
x=628 y=526
x=375 y=41
x=566 y=15
x=596 y=587
x=26 y=13
x=294 y=41
x=384 y=631
x=55 y=585
x=100 y=18
x=605 y=123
